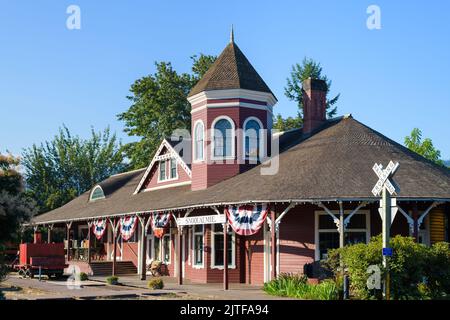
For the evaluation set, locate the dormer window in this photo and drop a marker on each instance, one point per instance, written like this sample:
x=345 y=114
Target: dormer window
x=173 y=169
x=252 y=139
x=162 y=171
x=97 y=193
x=223 y=138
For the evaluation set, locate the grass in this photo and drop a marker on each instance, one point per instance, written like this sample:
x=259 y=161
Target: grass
x=297 y=286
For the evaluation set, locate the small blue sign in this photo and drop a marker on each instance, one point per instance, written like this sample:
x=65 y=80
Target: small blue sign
x=387 y=252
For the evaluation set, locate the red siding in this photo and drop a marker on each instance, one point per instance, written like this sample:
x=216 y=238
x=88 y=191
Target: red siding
x=296 y=243
x=130 y=252
x=254 y=258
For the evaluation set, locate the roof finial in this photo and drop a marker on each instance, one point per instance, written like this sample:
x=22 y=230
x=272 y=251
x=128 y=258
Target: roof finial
x=232 y=34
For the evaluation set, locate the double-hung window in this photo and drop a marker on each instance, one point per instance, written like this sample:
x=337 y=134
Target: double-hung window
x=162 y=170
x=197 y=245
x=173 y=168
x=217 y=241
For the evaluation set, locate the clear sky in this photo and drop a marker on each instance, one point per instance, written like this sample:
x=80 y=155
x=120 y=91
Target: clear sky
x=392 y=79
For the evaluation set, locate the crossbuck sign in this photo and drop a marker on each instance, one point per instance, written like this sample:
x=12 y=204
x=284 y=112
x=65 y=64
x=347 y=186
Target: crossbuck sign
x=383 y=178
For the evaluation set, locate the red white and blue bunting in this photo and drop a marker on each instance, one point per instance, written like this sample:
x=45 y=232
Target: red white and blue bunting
x=128 y=226
x=159 y=223
x=246 y=220
x=99 y=228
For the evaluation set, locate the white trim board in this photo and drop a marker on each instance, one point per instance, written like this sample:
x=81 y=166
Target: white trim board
x=175 y=154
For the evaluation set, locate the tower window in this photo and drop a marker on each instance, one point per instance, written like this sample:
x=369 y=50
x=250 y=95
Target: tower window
x=252 y=139
x=198 y=142
x=223 y=136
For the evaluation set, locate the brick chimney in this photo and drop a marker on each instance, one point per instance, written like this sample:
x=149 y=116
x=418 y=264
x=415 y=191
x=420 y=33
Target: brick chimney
x=314 y=104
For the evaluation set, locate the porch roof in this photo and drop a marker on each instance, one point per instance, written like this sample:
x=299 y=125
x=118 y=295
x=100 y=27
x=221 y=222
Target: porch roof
x=333 y=164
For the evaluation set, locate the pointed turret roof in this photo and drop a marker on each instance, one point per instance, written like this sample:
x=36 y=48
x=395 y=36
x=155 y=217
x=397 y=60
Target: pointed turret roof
x=231 y=70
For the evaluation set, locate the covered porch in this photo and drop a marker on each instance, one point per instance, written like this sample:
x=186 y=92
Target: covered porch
x=205 y=249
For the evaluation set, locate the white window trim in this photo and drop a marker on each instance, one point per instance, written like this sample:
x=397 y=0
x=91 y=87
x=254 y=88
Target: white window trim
x=92 y=192
x=233 y=138
x=317 y=213
x=159 y=171
x=194 y=265
x=231 y=265
x=194 y=145
x=151 y=252
x=162 y=250
x=261 y=140
x=170 y=170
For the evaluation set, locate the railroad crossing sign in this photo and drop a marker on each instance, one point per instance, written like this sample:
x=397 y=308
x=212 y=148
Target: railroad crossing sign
x=383 y=178
x=388 y=208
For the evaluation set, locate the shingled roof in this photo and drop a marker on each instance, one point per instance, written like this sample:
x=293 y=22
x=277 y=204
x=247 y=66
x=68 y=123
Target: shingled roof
x=231 y=70
x=333 y=164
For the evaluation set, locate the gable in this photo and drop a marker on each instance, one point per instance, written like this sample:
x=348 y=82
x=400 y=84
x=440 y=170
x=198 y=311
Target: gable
x=165 y=152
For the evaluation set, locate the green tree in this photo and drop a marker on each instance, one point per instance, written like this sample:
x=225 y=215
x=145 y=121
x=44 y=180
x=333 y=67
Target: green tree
x=61 y=169
x=15 y=206
x=423 y=147
x=309 y=68
x=159 y=106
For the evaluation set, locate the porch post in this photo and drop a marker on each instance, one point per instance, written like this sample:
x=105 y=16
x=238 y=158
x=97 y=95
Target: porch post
x=68 y=225
x=225 y=255
x=143 y=250
x=415 y=216
x=49 y=233
x=89 y=243
x=273 y=245
x=114 y=247
x=180 y=255
x=341 y=225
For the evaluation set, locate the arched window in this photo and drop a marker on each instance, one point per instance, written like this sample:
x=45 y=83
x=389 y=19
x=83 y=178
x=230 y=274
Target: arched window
x=223 y=136
x=198 y=141
x=97 y=193
x=252 y=139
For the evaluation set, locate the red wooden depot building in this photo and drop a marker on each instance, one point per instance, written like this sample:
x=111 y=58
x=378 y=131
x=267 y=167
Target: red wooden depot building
x=239 y=202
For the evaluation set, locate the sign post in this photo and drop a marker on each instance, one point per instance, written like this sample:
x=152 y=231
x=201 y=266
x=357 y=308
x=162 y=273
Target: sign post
x=386 y=188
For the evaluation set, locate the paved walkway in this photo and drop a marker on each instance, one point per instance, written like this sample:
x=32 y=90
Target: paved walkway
x=131 y=288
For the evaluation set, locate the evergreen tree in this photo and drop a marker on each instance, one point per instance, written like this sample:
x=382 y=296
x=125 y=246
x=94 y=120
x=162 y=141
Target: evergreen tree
x=293 y=90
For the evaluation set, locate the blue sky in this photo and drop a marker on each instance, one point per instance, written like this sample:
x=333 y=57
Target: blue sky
x=393 y=79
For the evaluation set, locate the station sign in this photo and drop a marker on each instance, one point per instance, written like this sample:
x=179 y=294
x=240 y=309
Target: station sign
x=211 y=219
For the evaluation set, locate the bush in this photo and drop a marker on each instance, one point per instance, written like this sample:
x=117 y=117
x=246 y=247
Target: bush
x=112 y=280
x=416 y=271
x=156 y=283
x=83 y=276
x=297 y=286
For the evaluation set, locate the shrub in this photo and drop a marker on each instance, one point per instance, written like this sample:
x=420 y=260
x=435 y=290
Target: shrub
x=112 y=280
x=156 y=283
x=83 y=276
x=296 y=286
x=437 y=270
x=416 y=271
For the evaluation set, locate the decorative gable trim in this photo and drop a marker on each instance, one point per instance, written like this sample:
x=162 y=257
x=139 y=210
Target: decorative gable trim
x=170 y=154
